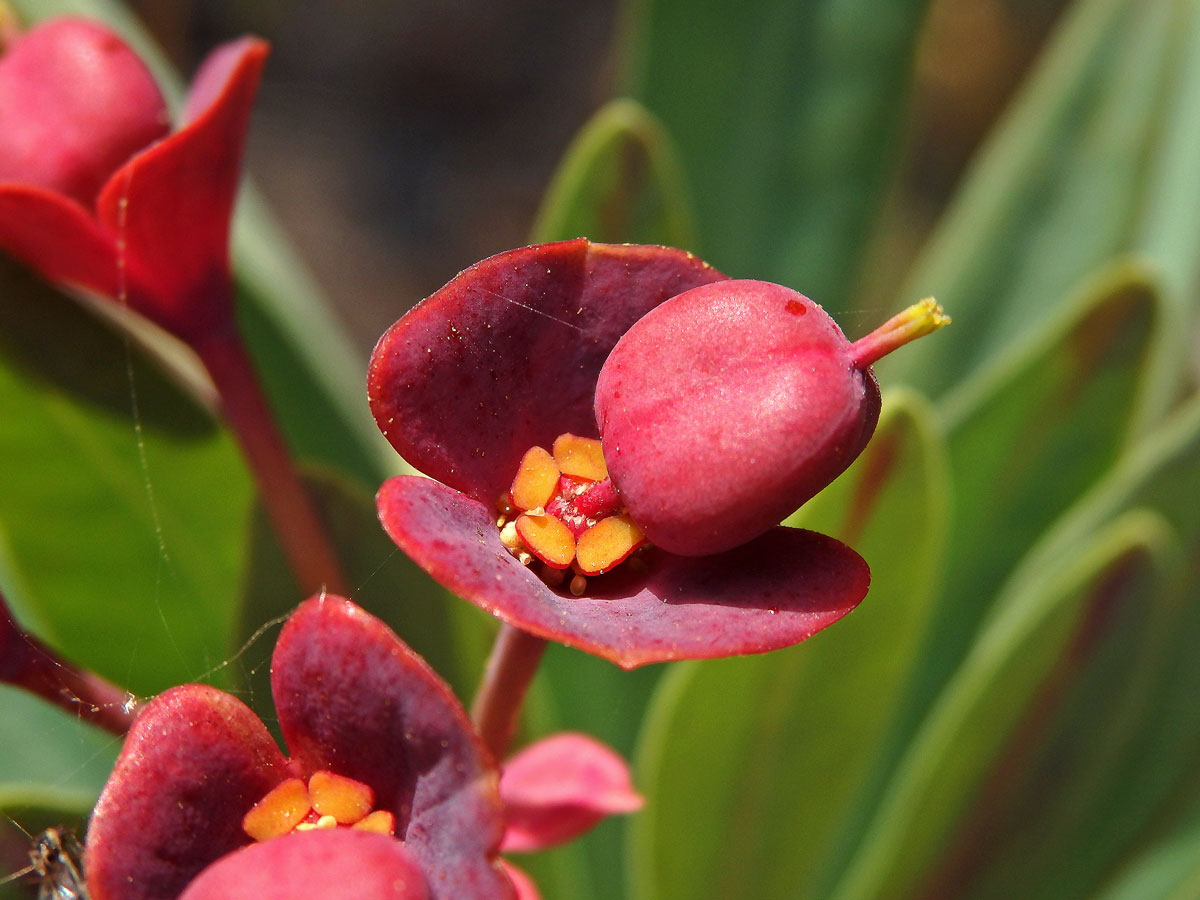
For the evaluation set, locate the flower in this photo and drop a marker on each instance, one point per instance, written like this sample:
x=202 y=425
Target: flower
x=95 y=195
x=378 y=744
x=506 y=357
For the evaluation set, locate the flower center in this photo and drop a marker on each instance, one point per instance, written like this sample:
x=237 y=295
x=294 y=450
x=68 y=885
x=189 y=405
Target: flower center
x=564 y=511
x=327 y=801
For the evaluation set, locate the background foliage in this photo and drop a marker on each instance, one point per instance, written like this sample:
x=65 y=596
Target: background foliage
x=1012 y=709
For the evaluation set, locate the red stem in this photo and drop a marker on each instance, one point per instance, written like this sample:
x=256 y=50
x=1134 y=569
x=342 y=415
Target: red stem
x=510 y=670
x=301 y=533
x=27 y=663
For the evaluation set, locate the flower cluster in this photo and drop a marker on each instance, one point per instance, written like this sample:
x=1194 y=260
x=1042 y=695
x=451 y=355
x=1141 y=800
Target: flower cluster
x=613 y=433
x=201 y=803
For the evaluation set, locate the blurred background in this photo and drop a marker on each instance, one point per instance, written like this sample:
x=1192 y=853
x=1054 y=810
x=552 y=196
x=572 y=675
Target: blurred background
x=1012 y=713
x=400 y=142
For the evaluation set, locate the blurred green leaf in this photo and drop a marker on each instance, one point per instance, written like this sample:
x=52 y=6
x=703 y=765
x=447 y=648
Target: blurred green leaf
x=749 y=763
x=1169 y=870
x=112 y=536
x=997 y=705
x=48 y=758
x=787 y=116
x=1028 y=435
x=52 y=767
x=619 y=182
x=383 y=581
x=1155 y=772
x=1081 y=171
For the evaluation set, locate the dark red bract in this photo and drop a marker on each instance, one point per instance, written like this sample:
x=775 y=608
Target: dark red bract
x=506 y=356
x=94 y=196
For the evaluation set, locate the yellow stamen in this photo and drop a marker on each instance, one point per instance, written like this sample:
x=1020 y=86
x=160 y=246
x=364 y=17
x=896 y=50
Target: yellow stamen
x=536 y=480
x=548 y=539
x=607 y=543
x=580 y=457
x=345 y=799
x=381 y=822
x=280 y=811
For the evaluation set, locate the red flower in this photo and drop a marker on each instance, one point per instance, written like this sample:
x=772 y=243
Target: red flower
x=506 y=357
x=370 y=728
x=93 y=195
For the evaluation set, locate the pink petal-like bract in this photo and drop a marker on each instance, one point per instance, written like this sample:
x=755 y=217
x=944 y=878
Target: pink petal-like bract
x=559 y=788
x=773 y=592
x=506 y=356
x=330 y=865
x=95 y=194
x=352 y=700
x=172 y=203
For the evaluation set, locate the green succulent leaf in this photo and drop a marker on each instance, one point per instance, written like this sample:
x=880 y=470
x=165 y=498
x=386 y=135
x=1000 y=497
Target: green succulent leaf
x=112 y=542
x=1045 y=654
x=787 y=119
x=48 y=758
x=618 y=182
x=1153 y=777
x=1082 y=170
x=1170 y=870
x=1030 y=434
x=755 y=759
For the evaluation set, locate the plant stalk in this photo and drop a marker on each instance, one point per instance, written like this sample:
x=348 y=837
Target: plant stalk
x=27 y=663
x=510 y=670
x=303 y=536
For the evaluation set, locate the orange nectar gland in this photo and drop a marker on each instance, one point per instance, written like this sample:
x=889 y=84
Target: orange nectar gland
x=327 y=801
x=563 y=511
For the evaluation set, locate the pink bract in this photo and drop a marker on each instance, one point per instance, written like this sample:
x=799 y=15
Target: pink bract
x=127 y=216
x=561 y=787
x=506 y=356
x=325 y=864
x=351 y=699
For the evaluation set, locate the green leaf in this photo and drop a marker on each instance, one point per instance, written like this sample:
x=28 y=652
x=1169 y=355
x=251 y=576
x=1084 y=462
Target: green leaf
x=49 y=758
x=1076 y=175
x=1025 y=668
x=749 y=763
x=1153 y=774
x=619 y=181
x=1170 y=870
x=787 y=117
x=1045 y=421
x=52 y=767
x=111 y=535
